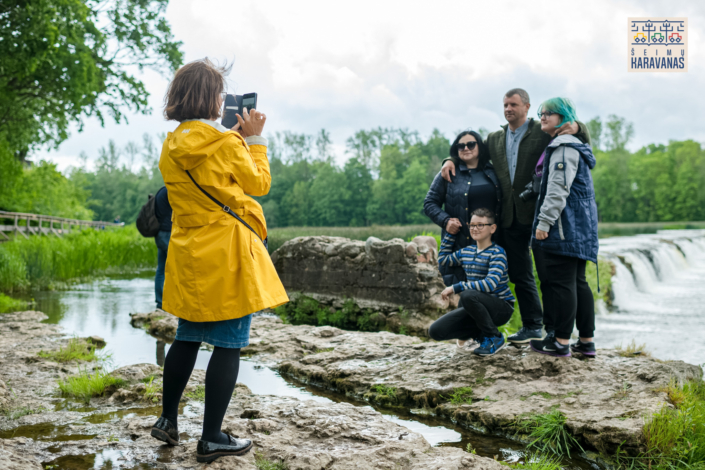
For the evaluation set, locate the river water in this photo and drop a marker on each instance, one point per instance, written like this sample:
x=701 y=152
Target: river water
x=658 y=300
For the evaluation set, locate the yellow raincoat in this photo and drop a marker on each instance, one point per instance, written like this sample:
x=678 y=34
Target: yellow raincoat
x=216 y=268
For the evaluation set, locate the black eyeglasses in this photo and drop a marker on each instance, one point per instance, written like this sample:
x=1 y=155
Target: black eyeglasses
x=547 y=114
x=469 y=145
x=479 y=226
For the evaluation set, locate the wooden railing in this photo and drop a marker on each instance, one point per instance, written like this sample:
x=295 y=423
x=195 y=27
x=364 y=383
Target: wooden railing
x=18 y=223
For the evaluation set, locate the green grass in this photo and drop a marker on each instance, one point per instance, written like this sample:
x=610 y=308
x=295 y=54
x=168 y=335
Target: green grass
x=632 y=350
x=8 y=304
x=16 y=413
x=198 y=394
x=278 y=236
x=548 y=433
x=42 y=261
x=384 y=394
x=85 y=385
x=151 y=390
x=675 y=437
x=537 y=462
x=304 y=310
x=77 y=349
x=263 y=463
x=460 y=396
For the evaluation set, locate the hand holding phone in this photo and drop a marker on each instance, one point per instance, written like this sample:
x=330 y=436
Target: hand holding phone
x=250 y=123
x=235 y=105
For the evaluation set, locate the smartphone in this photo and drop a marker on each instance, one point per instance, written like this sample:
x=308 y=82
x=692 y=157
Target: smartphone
x=234 y=105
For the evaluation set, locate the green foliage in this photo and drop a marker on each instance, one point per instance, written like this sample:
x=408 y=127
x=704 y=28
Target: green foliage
x=16 y=413
x=62 y=61
x=383 y=394
x=537 y=462
x=675 y=437
x=77 y=349
x=548 y=432
x=460 y=396
x=198 y=393
x=86 y=385
x=8 y=304
x=307 y=311
x=41 y=261
x=632 y=349
x=263 y=463
x=151 y=391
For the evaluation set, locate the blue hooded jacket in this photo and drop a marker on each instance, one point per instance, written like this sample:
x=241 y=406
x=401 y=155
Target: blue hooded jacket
x=574 y=232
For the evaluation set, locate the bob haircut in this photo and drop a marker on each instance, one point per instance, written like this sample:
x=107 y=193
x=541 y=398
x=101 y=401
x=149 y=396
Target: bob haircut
x=562 y=106
x=194 y=93
x=484 y=157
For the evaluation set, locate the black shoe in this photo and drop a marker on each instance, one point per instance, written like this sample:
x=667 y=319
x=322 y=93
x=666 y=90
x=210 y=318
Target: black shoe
x=165 y=431
x=550 y=346
x=209 y=451
x=490 y=346
x=524 y=335
x=586 y=349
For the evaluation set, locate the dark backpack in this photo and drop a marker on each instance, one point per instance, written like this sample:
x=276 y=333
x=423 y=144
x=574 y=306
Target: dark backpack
x=147 y=222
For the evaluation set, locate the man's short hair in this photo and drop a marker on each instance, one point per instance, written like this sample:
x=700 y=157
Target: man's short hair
x=195 y=90
x=482 y=212
x=518 y=91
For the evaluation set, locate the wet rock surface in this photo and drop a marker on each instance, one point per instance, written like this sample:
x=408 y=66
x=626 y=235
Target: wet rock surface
x=396 y=280
x=113 y=431
x=605 y=400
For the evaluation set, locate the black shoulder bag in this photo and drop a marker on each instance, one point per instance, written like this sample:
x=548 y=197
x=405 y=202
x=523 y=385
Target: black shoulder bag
x=227 y=209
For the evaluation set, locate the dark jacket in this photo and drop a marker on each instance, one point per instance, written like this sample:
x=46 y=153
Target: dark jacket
x=570 y=212
x=162 y=210
x=447 y=200
x=531 y=147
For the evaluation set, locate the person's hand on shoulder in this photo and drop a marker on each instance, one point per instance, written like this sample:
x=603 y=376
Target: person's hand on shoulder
x=250 y=123
x=569 y=128
x=447 y=169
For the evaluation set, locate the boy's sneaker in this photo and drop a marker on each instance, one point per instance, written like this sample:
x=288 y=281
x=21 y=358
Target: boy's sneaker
x=550 y=346
x=586 y=349
x=490 y=346
x=524 y=335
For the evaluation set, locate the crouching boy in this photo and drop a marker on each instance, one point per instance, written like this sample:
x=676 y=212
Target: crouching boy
x=486 y=302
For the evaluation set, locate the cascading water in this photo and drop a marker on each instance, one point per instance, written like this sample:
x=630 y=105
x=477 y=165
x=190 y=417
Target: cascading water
x=658 y=294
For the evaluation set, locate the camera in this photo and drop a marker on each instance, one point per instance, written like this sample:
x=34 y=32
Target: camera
x=531 y=190
x=236 y=104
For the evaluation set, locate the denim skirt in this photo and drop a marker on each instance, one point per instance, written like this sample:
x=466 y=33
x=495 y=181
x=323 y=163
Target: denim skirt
x=230 y=334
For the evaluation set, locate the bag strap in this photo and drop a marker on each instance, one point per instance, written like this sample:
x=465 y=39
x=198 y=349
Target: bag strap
x=224 y=207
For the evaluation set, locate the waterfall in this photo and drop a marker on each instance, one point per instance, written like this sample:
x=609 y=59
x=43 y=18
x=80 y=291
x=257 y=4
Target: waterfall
x=648 y=266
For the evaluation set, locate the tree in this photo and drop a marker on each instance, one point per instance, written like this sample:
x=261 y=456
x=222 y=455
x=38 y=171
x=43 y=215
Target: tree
x=618 y=133
x=64 y=60
x=594 y=126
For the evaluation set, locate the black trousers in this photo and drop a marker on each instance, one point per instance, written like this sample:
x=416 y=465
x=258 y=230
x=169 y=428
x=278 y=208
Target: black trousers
x=516 y=240
x=479 y=317
x=567 y=296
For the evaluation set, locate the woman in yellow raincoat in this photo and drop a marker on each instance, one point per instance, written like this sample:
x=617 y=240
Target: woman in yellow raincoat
x=218 y=270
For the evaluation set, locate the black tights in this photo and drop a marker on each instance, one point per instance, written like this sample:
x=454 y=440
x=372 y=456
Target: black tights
x=221 y=376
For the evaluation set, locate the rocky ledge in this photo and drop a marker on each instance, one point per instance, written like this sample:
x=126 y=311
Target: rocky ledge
x=604 y=400
x=40 y=429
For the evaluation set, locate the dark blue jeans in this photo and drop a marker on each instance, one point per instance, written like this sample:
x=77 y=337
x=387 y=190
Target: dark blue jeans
x=162 y=241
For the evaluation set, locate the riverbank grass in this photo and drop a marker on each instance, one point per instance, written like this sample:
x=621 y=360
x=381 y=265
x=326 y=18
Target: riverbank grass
x=536 y=462
x=85 y=385
x=675 y=436
x=632 y=349
x=77 y=349
x=263 y=463
x=8 y=304
x=548 y=433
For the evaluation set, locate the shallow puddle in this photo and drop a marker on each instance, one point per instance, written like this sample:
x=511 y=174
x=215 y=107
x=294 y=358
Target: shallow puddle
x=46 y=432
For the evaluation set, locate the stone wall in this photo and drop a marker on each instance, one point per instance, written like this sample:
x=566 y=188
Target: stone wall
x=397 y=280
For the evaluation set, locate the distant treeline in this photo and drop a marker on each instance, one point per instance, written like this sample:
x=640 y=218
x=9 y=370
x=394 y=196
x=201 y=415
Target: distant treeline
x=383 y=181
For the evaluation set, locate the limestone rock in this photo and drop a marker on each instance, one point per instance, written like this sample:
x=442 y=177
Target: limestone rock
x=384 y=276
x=13 y=456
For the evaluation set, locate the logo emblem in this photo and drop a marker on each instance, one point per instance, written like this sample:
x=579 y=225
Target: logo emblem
x=657 y=44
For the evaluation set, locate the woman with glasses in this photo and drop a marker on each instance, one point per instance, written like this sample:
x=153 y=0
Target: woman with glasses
x=486 y=302
x=565 y=234
x=218 y=271
x=474 y=186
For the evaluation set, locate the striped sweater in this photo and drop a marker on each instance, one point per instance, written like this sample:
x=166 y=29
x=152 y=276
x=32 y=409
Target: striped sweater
x=486 y=271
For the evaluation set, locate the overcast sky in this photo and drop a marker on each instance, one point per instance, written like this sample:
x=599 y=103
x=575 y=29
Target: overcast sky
x=345 y=66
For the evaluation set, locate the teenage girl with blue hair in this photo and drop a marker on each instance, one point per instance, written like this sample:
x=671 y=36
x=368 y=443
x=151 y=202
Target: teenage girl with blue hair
x=565 y=232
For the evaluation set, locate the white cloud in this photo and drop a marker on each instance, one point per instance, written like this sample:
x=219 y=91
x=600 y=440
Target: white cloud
x=420 y=65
